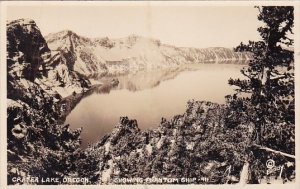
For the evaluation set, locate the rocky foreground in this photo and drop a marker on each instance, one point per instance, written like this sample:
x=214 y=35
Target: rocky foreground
x=193 y=148
x=192 y=145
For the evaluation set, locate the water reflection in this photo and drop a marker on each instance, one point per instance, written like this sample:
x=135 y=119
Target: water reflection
x=148 y=96
x=69 y=103
x=148 y=79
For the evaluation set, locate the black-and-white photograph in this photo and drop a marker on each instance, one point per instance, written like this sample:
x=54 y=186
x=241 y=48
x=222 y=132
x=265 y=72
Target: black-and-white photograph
x=150 y=93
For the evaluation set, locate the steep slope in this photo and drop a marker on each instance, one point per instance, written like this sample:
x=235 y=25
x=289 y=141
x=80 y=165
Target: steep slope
x=193 y=148
x=79 y=49
x=102 y=56
x=30 y=59
x=36 y=145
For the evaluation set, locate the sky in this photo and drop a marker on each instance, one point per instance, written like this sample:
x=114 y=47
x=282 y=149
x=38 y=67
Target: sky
x=183 y=26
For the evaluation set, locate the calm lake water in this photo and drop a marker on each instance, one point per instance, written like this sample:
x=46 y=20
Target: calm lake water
x=149 y=96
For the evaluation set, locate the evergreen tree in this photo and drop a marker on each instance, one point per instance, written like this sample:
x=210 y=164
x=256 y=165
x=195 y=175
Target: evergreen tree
x=269 y=79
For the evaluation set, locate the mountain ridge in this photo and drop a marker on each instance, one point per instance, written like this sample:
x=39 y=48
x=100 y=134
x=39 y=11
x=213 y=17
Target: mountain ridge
x=115 y=56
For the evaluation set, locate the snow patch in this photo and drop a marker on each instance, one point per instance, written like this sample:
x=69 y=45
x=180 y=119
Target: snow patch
x=190 y=146
x=149 y=148
x=13 y=103
x=25 y=83
x=107 y=146
x=95 y=82
x=106 y=173
x=140 y=151
x=159 y=143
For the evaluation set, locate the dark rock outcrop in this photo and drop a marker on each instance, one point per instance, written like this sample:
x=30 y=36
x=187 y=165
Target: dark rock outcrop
x=30 y=59
x=36 y=145
x=27 y=49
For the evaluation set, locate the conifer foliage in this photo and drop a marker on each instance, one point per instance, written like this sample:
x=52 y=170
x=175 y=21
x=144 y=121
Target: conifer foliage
x=266 y=96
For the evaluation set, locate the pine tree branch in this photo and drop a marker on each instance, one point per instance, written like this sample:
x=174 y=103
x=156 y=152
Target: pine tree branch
x=275 y=151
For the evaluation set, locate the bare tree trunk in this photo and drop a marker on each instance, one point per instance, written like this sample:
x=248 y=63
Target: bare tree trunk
x=258 y=134
x=244 y=175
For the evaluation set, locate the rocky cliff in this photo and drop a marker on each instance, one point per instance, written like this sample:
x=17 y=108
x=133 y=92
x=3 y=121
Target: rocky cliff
x=105 y=56
x=30 y=60
x=36 y=145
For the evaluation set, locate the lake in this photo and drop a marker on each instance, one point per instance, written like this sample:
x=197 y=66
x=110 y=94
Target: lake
x=149 y=96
